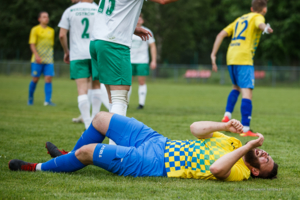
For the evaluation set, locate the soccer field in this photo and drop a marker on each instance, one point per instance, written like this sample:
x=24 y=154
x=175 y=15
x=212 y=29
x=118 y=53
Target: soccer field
x=170 y=109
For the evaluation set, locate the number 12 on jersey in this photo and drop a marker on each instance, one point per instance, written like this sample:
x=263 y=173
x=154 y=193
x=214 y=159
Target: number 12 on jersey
x=239 y=37
x=110 y=8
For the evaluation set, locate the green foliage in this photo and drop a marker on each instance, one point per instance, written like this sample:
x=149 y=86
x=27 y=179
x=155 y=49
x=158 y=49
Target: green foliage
x=184 y=30
x=170 y=109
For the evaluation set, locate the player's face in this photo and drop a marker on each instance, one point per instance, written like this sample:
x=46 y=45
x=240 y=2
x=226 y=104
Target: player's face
x=260 y=159
x=140 y=21
x=44 y=18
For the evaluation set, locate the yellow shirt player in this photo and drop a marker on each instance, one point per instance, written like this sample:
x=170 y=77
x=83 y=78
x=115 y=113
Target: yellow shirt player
x=141 y=151
x=41 y=42
x=245 y=34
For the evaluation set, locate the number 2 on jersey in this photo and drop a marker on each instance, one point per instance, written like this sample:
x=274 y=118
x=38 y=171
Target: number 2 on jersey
x=86 y=27
x=239 y=37
x=110 y=8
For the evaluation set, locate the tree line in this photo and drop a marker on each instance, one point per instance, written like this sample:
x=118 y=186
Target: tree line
x=184 y=31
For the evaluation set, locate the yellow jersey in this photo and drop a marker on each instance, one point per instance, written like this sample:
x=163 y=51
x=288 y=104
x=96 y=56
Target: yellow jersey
x=193 y=158
x=43 y=38
x=245 y=38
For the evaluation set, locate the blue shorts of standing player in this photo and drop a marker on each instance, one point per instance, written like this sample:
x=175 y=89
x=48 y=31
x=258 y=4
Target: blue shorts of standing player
x=139 y=150
x=36 y=70
x=242 y=77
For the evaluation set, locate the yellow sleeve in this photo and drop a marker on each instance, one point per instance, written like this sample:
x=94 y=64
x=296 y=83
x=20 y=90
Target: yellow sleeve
x=239 y=172
x=229 y=28
x=259 y=20
x=33 y=36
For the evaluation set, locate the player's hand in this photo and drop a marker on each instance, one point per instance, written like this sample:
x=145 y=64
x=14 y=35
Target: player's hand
x=234 y=126
x=270 y=30
x=67 y=58
x=142 y=33
x=213 y=62
x=153 y=65
x=38 y=59
x=256 y=143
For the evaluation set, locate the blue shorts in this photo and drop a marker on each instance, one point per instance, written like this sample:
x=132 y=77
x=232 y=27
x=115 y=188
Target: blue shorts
x=46 y=69
x=242 y=75
x=139 y=150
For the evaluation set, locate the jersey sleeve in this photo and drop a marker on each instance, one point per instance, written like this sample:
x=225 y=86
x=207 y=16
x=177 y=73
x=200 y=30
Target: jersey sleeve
x=259 y=20
x=151 y=39
x=65 y=21
x=33 y=36
x=239 y=172
x=229 y=29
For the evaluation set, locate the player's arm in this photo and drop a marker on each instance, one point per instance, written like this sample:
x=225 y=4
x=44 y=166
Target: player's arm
x=221 y=168
x=205 y=129
x=219 y=39
x=163 y=2
x=63 y=38
x=153 y=53
x=265 y=28
x=34 y=51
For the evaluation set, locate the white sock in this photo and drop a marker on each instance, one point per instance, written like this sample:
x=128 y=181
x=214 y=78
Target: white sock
x=119 y=104
x=38 y=167
x=129 y=94
x=246 y=129
x=228 y=114
x=110 y=106
x=84 y=107
x=96 y=102
x=142 y=94
x=104 y=96
x=90 y=93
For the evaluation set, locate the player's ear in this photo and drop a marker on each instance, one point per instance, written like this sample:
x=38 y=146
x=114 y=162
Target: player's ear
x=255 y=171
x=251 y=9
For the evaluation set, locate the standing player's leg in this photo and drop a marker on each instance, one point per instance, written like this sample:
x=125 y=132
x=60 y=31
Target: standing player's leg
x=48 y=73
x=233 y=95
x=245 y=74
x=99 y=96
x=134 y=73
x=142 y=91
x=83 y=100
x=142 y=72
x=36 y=70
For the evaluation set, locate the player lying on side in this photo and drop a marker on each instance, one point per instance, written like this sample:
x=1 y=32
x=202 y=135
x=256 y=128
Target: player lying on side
x=141 y=151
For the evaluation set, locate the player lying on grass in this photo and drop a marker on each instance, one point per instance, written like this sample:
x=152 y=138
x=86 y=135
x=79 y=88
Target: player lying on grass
x=141 y=151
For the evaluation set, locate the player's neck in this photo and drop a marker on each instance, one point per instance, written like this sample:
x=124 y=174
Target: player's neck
x=86 y=1
x=43 y=25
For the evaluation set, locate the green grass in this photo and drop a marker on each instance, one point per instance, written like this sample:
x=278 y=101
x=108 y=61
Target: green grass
x=170 y=109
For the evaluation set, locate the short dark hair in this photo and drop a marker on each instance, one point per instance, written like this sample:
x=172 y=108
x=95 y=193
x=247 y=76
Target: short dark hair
x=40 y=13
x=271 y=175
x=259 y=5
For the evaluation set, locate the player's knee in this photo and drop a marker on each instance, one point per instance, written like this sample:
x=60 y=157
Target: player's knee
x=119 y=96
x=85 y=154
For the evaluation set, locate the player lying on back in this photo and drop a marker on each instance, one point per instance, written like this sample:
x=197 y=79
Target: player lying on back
x=141 y=151
x=246 y=32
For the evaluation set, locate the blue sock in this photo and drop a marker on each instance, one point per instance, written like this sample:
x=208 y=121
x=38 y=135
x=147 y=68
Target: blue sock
x=90 y=135
x=32 y=86
x=48 y=92
x=64 y=163
x=246 y=110
x=231 y=100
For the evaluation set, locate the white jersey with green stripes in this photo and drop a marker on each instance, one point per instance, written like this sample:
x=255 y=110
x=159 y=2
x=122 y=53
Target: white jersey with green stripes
x=79 y=20
x=116 y=20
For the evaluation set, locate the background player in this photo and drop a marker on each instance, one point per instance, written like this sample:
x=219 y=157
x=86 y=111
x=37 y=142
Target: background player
x=78 y=19
x=141 y=151
x=110 y=48
x=139 y=60
x=41 y=42
x=246 y=32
